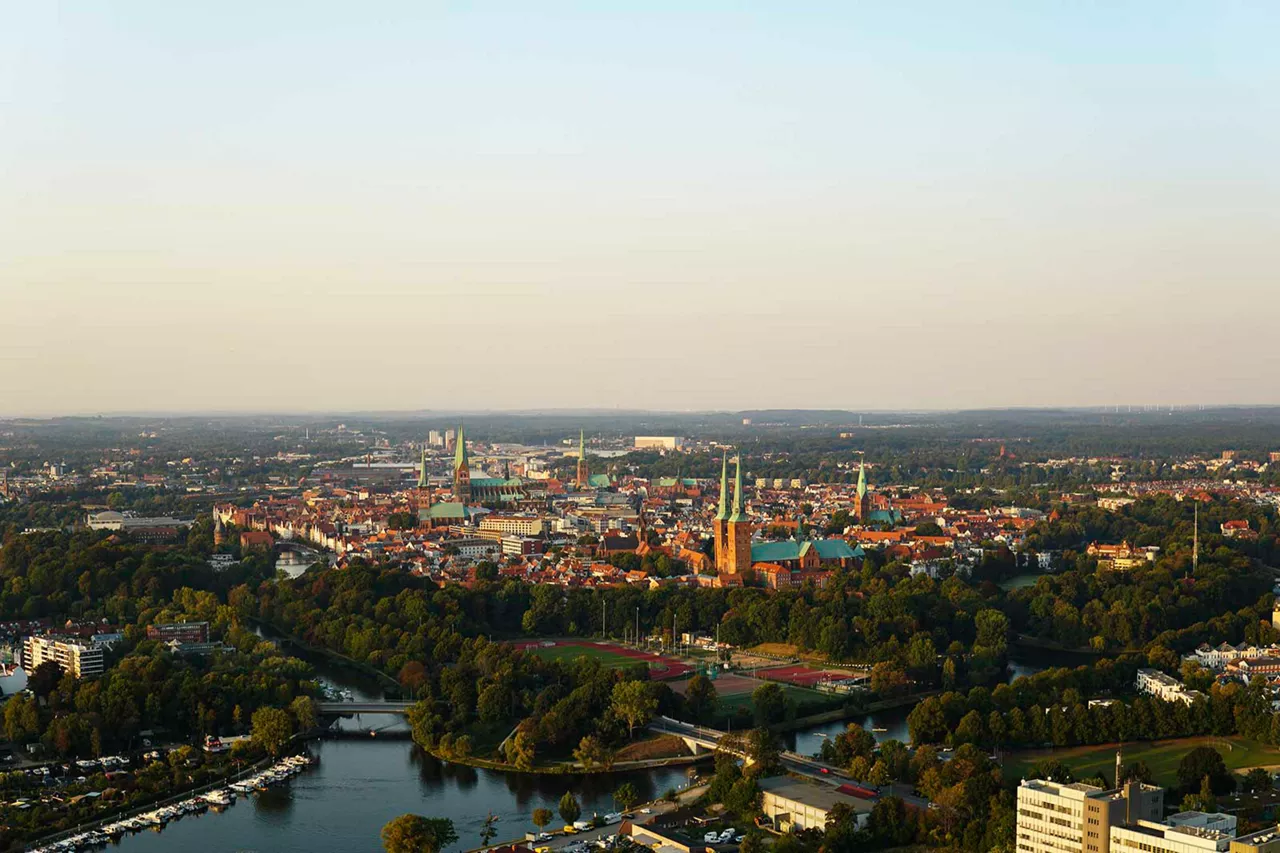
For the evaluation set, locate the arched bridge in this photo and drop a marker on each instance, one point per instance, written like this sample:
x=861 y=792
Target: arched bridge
x=702 y=739
x=341 y=708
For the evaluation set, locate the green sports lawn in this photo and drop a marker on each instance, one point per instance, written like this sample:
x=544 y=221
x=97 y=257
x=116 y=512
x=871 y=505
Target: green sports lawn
x=733 y=701
x=568 y=652
x=1162 y=757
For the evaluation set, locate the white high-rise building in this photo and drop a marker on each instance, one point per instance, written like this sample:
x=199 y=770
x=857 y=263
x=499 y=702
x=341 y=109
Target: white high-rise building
x=1078 y=818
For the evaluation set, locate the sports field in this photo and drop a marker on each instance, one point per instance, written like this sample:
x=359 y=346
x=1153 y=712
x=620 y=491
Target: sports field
x=805 y=676
x=608 y=654
x=1161 y=756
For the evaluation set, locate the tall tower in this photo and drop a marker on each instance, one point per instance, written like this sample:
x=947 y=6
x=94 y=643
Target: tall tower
x=720 y=527
x=461 y=470
x=219 y=533
x=422 y=469
x=862 y=509
x=583 y=474
x=1195 y=540
x=738 y=534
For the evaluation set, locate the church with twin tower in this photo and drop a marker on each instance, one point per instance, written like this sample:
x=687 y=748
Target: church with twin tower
x=732 y=527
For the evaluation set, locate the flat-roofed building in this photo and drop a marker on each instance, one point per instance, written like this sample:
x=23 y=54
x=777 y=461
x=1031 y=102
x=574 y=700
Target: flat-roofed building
x=1078 y=818
x=81 y=659
x=659 y=442
x=1153 y=682
x=1186 y=832
x=793 y=804
x=1262 y=841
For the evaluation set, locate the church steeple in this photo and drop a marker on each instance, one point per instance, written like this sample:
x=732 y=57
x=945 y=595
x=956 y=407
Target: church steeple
x=461 y=470
x=422 y=469
x=583 y=475
x=738 y=515
x=723 y=513
x=862 y=506
x=460 y=450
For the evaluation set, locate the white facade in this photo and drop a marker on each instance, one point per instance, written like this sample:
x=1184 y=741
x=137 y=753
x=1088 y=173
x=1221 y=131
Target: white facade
x=1153 y=682
x=659 y=442
x=83 y=660
x=1188 y=832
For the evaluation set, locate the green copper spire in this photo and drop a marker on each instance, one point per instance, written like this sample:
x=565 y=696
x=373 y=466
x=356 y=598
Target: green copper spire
x=738 y=514
x=723 y=514
x=862 y=480
x=460 y=451
x=582 y=444
x=422 y=469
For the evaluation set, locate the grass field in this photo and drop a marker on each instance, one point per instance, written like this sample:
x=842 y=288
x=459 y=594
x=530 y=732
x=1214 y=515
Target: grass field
x=731 y=703
x=568 y=652
x=1019 y=581
x=1161 y=756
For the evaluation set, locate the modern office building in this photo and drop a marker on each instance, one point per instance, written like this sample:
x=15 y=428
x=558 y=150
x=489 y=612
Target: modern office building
x=81 y=659
x=1186 y=832
x=183 y=632
x=1078 y=818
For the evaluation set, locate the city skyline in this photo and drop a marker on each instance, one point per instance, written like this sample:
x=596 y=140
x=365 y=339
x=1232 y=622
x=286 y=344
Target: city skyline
x=656 y=207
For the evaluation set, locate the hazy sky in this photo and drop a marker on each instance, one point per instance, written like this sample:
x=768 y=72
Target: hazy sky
x=677 y=205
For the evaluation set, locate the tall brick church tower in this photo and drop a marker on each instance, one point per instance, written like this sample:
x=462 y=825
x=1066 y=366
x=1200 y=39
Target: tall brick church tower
x=734 y=558
x=461 y=470
x=720 y=527
x=862 y=508
x=584 y=476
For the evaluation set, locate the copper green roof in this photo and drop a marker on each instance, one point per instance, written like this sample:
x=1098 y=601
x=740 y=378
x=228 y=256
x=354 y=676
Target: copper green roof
x=862 y=480
x=738 y=515
x=600 y=481
x=723 y=513
x=460 y=451
x=442 y=511
x=790 y=549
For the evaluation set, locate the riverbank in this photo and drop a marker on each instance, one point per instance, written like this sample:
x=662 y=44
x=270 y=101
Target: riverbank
x=280 y=636
x=133 y=811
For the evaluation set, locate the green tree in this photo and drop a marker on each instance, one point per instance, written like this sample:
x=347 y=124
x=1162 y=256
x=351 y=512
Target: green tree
x=633 y=703
x=1200 y=763
x=520 y=751
x=626 y=796
x=304 y=713
x=589 y=752
x=701 y=698
x=489 y=829
x=21 y=719
x=271 y=729
x=411 y=833
x=770 y=704
x=542 y=817
x=569 y=808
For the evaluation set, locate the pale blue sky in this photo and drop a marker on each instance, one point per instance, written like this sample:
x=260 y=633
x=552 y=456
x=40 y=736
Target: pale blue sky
x=670 y=205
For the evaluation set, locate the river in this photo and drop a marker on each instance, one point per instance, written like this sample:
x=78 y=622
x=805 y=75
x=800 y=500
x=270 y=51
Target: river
x=341 y=803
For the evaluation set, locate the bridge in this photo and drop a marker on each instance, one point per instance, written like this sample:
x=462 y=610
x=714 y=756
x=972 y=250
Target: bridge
x=702 y=739
x=341 y=708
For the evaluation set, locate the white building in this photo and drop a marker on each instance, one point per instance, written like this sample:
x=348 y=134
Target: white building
x=1079 y=818
x=1153 y=682
x=659 y=442
x=81 y=659
x=1186 y=832
x=793 y=804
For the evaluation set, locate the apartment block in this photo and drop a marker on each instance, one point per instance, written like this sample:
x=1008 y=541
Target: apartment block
x=81 y=659
x=1153 y=682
